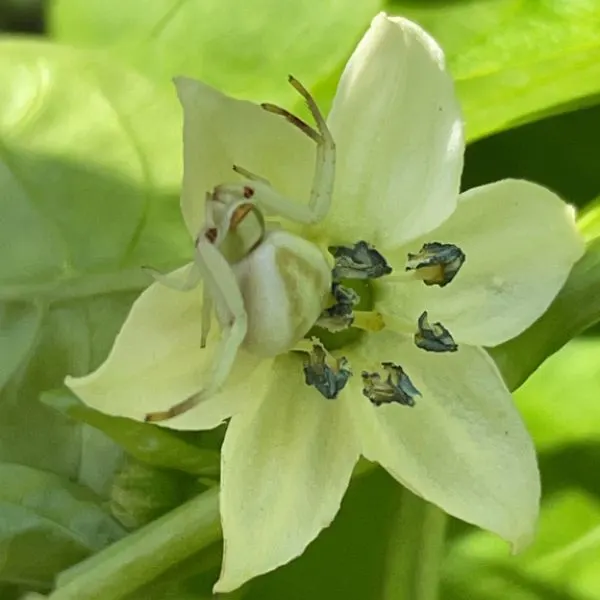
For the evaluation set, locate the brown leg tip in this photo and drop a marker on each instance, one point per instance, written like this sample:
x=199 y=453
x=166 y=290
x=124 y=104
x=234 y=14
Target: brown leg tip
x=155 y=417
x=270 y=107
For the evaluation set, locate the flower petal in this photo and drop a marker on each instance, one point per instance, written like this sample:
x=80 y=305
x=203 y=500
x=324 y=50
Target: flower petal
x=286 y=463
x=219 y=132
x=463 y=446
x=156 y=361
x=520 y=243
x=398 y=129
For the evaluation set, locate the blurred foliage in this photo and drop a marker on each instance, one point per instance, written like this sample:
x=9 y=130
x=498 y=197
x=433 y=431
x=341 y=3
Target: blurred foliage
x=223 y=43
x=140 y=494
x=589 y=221
x=562 y=153
x=22 y=16
x=64 y=293
x=90 y=168
x=154 y=446
x=47 y=524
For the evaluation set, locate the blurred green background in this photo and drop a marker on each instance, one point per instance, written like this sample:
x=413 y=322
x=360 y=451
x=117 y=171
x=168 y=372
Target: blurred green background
x=90 y=113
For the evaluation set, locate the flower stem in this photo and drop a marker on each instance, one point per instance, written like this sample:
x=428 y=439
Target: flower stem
x=140 y=557
x=415 y=551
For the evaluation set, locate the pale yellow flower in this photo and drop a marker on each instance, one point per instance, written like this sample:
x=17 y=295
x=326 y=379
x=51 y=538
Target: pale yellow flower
x=432 y=409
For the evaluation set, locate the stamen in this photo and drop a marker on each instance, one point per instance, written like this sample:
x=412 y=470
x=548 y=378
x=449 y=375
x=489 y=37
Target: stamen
x=340 y=316
x=396 y=388
x=436 y=263
x=434 y=338
x=305 y=346
x=329 y=380
x=360 y=261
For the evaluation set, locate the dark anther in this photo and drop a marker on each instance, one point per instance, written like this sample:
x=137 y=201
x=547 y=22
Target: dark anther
x=360 y=261
x=329 y=380
x=434 y=337
x=397 y=386
x=340 y=315
x=437 y=264
x=248 y=191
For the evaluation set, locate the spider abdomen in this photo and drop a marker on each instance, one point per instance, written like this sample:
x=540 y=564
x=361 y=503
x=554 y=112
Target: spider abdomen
x=285 y=283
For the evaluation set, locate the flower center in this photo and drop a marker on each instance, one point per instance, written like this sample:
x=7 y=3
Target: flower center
x=349 y=315
x=339 y=332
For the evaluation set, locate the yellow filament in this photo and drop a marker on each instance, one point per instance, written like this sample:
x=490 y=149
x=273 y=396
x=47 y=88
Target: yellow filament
x=368 y=320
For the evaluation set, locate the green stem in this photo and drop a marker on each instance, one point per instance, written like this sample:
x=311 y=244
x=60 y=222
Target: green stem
x=140 y=557
x=415 y=551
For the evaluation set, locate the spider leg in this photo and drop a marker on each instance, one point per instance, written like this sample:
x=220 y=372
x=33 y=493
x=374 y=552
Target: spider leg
x=223 y=290
x=324 y=175
x=182 y=282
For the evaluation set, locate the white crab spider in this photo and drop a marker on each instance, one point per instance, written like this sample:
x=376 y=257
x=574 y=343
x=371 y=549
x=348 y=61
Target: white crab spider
x=267 y=287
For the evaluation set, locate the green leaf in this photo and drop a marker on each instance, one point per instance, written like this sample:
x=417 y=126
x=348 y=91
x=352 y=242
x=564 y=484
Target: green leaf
x=42 y=513
x=89 y=171
x=545 y=155
x=247 y=51
x=101 y=142
x=515 y=62
x=150 y=444
x=141 y=493
x=19 y=327
x=560 y=401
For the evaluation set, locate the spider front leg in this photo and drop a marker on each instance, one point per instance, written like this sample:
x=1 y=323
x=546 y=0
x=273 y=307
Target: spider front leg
x=221 y=285
x=323 y=180
x=191 y=277
x=182 y=281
